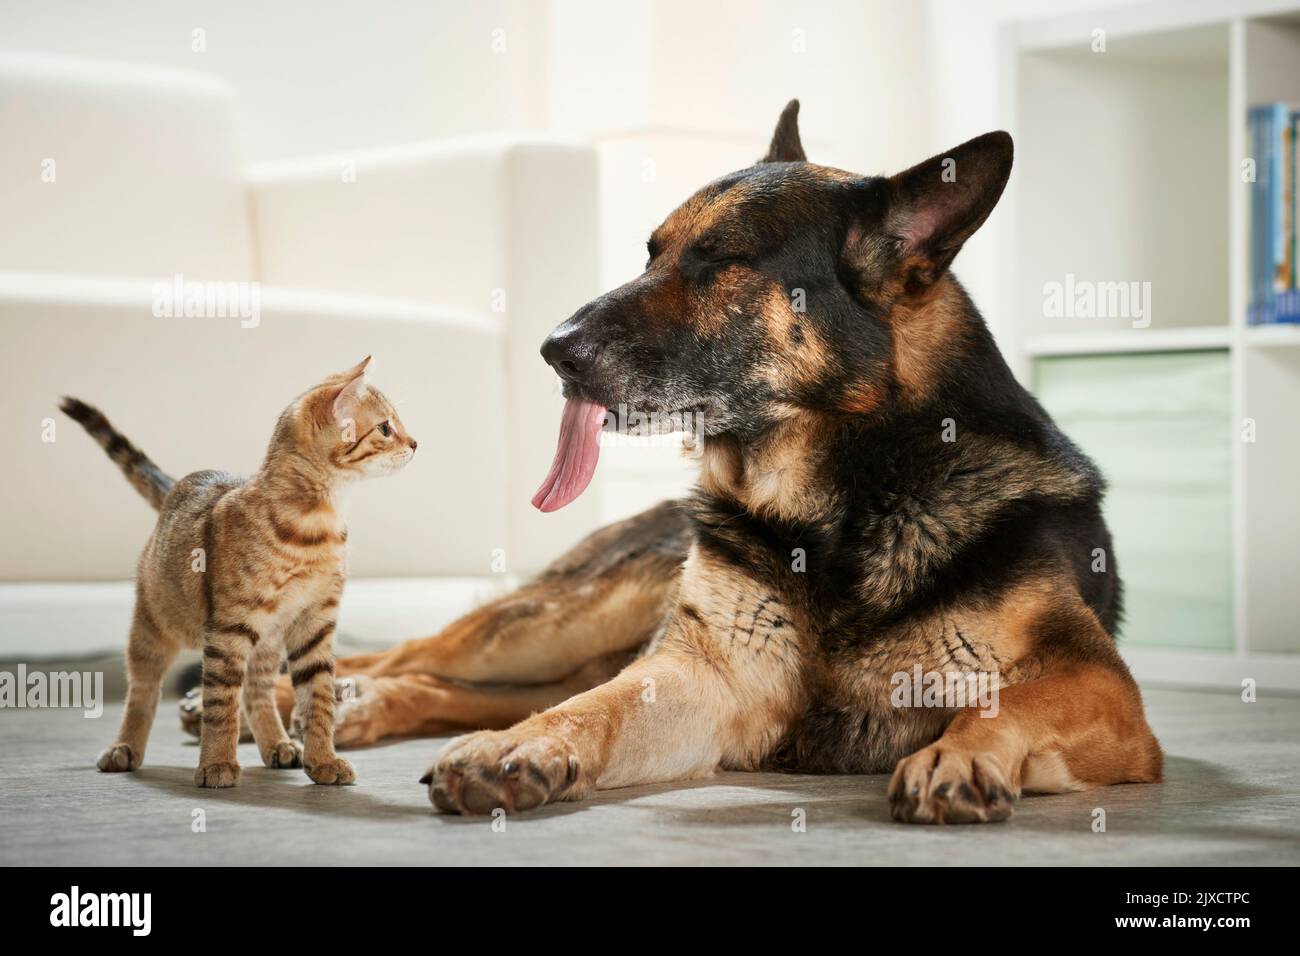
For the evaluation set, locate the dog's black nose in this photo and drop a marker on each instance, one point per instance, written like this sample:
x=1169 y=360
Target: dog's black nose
x=565 y=351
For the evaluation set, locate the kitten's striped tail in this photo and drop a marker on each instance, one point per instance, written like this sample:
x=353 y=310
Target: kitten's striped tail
x=145 y=477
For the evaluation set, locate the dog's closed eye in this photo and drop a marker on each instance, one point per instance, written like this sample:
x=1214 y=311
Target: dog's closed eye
x=714 y=256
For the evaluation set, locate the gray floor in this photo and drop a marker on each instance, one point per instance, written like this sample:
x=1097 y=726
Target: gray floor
x=1232 y=796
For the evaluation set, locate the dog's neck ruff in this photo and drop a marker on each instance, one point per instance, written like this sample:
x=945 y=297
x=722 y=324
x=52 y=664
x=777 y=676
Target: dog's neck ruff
x=774 y=477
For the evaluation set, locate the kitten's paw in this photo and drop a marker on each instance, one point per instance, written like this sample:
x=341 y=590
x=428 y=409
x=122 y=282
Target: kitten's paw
x=217 y=775
x=283 y=755
x=191 y=709
x=335 y=771
x=118 y=758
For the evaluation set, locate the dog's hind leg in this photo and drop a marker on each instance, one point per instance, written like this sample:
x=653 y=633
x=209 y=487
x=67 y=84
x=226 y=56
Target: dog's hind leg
x=610 y=593
x=422 y=705
x=603 y=600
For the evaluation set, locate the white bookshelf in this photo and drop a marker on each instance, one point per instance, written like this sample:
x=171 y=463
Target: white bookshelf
x=1191 y=339
x=1129 y=168
x=1273 y=337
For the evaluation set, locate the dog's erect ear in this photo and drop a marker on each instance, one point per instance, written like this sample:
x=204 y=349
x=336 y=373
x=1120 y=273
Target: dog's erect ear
x=938 y=204
x=786 y=147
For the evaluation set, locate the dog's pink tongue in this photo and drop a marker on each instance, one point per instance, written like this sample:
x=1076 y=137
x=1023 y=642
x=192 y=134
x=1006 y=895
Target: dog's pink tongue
x=575 y=455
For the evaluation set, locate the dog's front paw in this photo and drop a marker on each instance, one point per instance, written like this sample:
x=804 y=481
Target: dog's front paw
x=938 y=784
x=334 y=770
x=118 y=758
x=283 y=755
x=491 y=770
x=217 y=775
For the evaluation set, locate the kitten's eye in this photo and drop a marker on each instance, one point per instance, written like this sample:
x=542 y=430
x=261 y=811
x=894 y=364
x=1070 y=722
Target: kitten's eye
x=385 y=429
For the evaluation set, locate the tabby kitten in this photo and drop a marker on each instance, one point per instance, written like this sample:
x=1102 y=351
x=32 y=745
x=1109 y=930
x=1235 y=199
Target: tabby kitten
x=252 y=571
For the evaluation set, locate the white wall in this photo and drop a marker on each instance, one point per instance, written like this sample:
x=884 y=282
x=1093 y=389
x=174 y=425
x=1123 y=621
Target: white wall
x=962 y=56
x=883 y=82
x=678 y=92
x=684 y=89
x=321 y=75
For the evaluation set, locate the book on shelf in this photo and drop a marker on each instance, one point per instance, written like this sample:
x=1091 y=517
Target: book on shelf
x=1273 y=133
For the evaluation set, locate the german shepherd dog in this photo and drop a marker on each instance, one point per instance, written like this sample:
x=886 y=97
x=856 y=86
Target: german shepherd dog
x=878 y=497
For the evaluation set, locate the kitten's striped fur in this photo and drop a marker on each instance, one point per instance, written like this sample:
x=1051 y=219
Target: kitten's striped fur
x=252 y=570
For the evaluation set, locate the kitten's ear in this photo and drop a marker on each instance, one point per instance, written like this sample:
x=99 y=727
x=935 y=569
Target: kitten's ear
x=348 y=401
x=365 y=367
x=786 y=147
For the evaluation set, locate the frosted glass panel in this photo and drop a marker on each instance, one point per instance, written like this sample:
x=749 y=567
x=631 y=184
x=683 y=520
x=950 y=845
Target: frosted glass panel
x=1159 y=426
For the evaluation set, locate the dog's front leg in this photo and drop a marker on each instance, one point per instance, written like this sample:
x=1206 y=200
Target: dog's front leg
x=720 y=691
x=1075 y=729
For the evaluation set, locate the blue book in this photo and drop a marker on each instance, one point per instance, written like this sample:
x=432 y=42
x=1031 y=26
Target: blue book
x=1274 y=132
x=1286 y=298
x=1258 y=190
x=1279 y=121
x=1293 y=181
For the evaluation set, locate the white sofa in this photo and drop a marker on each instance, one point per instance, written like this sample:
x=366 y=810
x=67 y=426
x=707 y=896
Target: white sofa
x=448 y=261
